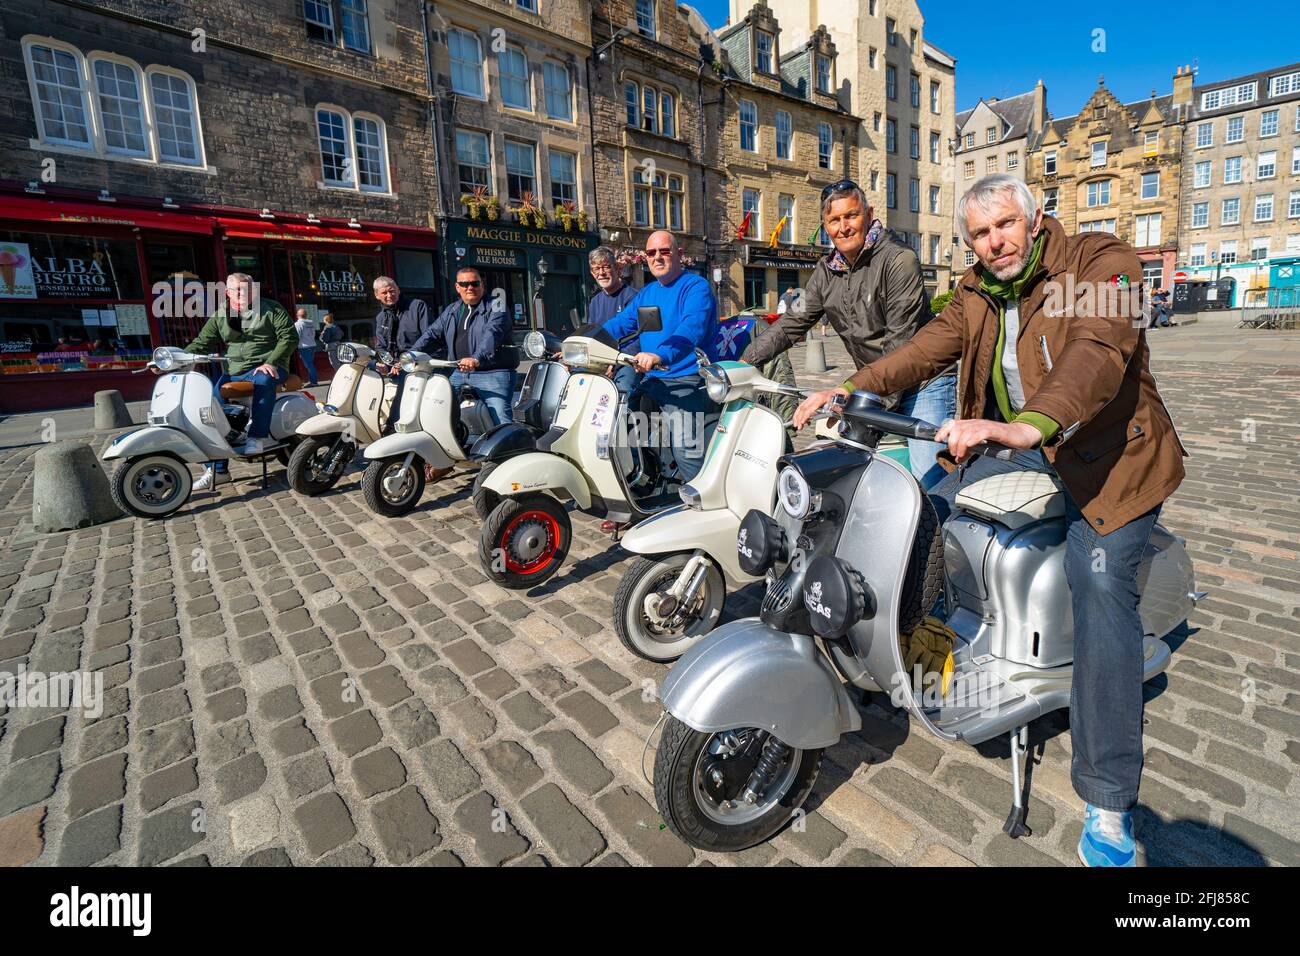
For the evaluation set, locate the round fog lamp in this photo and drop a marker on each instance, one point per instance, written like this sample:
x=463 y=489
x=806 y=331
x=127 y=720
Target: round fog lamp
x=793 y=491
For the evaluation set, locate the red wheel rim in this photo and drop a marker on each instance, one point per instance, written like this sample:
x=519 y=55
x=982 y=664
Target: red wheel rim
x=549 y=525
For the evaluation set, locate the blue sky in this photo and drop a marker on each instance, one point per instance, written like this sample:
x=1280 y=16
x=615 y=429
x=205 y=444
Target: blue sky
x=1051 y=42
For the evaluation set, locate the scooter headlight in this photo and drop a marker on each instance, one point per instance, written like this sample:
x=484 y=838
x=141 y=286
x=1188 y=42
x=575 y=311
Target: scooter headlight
x=407 y=362
x=716 y=383
x=535 y=344
x=347 y=352
x=165 y=358
x=796 y=497
x=574 y=353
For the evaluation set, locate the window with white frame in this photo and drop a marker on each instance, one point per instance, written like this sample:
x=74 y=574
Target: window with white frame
x=521 y=169
x=825 y=144
x=823 y=74
x=1049 y=163
x=750 y=202
x=558 y=90
x=1264 y=208
x=1266 y=165
x=175 y=116
x=668 y=114
x=1147 y=230
x=1099 y=193
x=891 y=191
x=632 y=99
x=914 y=195
x=473 y=161
x=676 y=203
x=934 y=248
x=934 y=96
x=337 y=166
x=968 y=258
x=649 y=109
x=466 y=55
x=1232 y=170
x=353 y=150
x=784 y=134
x=121 y=106
x=968 y=169
x=1297 y=119
x=355 y=17
x=1099 y=154
x=640 y=197
x=1151 y=143
x=871 y=57
x=1153 y=275
x=564 y=177
x=1228 y=96
x=1200 y=215
x=934 y=199
x=875 y=122
x=1049 y=201
x=319 y=17
x=372 y=154
x=934 y=147
x=1293 y=242
x=1283 y=84
x=1098 y=225
x=914 y=91
x=516 y=90
x=990 y=135
x=1150 y=186
x=763 y=44
x=1013 y=160
x=970 y=140
x=59 y=95
x=1204 y=135
x=1197 y=255
x=1268 y=123
x=1236 y=129
x=785 y=211
x=1201 y=175
x=1295 y=160
x=1230 y=212
x=1293 y=204
x=645 y=18
x=1259 y=248
x=914 y=143
x=1228 y=251
x=748 y=126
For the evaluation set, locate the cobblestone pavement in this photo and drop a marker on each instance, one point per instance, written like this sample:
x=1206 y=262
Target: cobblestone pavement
x=294 y=680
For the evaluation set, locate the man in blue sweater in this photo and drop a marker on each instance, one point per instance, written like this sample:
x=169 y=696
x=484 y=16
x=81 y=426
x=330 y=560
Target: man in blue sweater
x=689 y=315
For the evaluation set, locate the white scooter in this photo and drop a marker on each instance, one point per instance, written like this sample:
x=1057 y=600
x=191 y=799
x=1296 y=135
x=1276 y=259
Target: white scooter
x=188 y=425
x=354 y=414
x=673 y=596
x=433 y=427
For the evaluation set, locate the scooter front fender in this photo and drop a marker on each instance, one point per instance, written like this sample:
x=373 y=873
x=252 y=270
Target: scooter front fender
x=403 y=443
x=747 y=674
x=326 y=424
x=155 y=440
x=685 y=529
x=539 y=471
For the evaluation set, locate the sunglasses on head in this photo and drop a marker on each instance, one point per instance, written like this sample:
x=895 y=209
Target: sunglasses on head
x=844 y=185
x=472 y=284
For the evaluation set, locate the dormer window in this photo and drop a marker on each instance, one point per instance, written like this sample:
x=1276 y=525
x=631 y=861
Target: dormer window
x=823 y=74
x=764 y=43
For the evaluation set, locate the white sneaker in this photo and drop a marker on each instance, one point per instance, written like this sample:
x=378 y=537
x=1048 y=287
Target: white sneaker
x=251 y=447
x=207 y=480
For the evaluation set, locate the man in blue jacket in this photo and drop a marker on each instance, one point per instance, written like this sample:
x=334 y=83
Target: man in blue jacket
x=400 y=322
x=472 y=331
x=689 y=315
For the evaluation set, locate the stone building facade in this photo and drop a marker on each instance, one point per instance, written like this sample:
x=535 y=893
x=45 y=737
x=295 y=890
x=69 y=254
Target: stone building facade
x=1115 y=167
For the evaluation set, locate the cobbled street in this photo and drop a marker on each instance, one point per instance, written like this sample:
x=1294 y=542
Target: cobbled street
x=293 y=680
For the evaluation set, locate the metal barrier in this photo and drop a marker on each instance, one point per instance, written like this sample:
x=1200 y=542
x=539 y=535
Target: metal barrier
x=1269 y=317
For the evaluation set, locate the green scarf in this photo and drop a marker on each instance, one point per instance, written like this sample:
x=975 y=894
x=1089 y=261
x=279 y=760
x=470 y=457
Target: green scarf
x=1007 y=290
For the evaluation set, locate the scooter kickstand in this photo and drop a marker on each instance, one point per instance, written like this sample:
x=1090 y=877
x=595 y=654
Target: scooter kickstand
x=1015 y=826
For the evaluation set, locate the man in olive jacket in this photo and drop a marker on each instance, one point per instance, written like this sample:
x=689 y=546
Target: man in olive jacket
x=1053 y=354
x=871 y=290
x=259 y=340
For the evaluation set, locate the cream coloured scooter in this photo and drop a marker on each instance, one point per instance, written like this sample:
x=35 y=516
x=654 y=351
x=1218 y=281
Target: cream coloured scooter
x=433 y=427
x=353 y=415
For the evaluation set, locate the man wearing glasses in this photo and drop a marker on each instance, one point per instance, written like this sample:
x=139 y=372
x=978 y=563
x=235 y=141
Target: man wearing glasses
x=609 y=301
x=689 y=316
x=472 y=332
x=400 y=322
x=870 y=288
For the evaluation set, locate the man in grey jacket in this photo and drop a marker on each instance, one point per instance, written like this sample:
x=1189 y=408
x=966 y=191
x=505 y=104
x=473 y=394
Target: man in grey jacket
x=871 y=291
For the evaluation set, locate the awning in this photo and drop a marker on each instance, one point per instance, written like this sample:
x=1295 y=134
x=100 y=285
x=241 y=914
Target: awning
x=100 y=214
x=299 y=232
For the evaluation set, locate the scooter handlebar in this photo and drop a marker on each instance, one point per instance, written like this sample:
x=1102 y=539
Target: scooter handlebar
x=893 y=423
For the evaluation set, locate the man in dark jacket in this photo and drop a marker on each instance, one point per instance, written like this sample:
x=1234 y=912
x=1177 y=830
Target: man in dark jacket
x=1050 y=366
x=400 y=322
x=473 y=331
x=870 y=288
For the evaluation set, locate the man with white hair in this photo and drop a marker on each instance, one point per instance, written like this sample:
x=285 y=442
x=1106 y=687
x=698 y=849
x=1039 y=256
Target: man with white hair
x=1049 y=367
x=398 y=326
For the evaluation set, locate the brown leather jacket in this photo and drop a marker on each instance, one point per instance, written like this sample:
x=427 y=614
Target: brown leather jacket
x=1083 y=363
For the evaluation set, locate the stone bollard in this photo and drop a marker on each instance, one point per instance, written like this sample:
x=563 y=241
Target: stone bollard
x=70 y=489
x=814 y=359
x=111 y=411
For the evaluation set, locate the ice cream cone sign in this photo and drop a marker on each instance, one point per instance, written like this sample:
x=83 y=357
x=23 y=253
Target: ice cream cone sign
x=15 y=280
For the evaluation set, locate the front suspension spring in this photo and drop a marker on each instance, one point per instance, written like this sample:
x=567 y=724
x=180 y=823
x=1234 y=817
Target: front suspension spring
x=765 y=770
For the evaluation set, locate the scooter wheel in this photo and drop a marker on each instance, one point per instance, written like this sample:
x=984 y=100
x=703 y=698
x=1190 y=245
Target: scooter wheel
x=307 y=474
x=386 y=501
x=663 y=643
x=524 y=541
x=485 y=499
x=152 y=486
x=699 y=779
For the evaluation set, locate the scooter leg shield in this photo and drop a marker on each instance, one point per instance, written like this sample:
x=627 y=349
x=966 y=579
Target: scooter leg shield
x=536 y=472
x=685 y=529
x=747 y=674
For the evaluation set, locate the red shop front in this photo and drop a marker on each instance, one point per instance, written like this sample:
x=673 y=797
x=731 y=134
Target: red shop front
x=78 y=309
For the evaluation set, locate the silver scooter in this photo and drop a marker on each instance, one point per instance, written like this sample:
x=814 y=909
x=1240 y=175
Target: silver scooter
x=855 y=558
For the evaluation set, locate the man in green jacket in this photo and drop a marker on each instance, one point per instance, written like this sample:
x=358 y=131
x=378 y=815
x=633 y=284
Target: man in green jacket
x=259 y=338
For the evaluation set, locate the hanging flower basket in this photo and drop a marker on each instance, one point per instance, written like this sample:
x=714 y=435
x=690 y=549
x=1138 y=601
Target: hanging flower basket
x=493 y=208
x=479 y=202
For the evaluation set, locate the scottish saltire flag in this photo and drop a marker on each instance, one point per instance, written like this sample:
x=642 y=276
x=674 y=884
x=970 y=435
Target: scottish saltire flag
x=734 y=335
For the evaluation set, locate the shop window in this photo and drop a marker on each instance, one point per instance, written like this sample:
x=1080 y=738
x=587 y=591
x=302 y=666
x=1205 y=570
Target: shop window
x=416 y=270
x=337 y=282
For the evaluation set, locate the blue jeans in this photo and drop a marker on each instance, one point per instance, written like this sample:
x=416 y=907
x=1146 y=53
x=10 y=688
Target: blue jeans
x=1106 y=694
x=687 y=415
x=308 y=355
x=933 y=403
x=264 y=386
x=496 y=388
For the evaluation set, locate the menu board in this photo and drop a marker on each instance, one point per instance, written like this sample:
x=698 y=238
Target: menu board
x=132 y=319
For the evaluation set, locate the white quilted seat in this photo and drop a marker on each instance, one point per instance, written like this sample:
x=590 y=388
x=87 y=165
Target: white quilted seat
x=1015 y=499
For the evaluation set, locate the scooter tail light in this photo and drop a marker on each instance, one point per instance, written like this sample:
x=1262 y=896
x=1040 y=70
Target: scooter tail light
x=310 y=396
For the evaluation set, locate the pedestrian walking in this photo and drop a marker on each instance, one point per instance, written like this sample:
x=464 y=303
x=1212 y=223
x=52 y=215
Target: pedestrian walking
x=306 y=330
